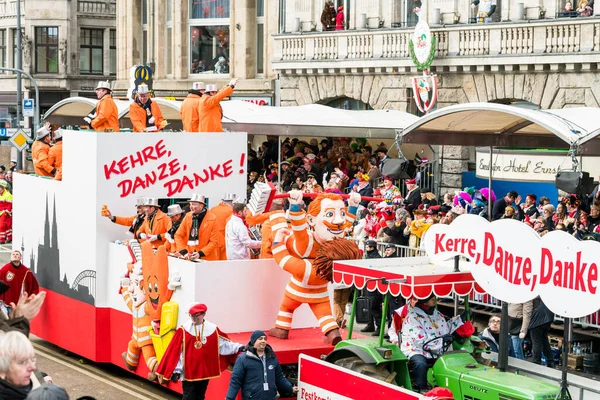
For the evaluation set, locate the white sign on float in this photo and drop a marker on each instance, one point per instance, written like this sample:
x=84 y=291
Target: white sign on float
x=511 y=262
x=523 y=165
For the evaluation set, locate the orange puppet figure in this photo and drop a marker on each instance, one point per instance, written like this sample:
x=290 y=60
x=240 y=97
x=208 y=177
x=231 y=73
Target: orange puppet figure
x=327 y=219
x=158 y=285
x=141 y=342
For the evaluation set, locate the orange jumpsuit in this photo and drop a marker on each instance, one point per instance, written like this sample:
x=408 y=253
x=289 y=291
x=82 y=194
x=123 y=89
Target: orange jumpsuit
x=189 y=113
x=222 y=212
x=55 y=159
x=210 y=111
x=107 y=115
x=208 y=237
x=140 y=342
x=137 y=115
x=159 y=225
x=305 y=286
x=39 y=154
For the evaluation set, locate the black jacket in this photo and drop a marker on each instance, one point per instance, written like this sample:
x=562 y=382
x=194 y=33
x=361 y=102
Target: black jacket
x=12 y=392
x=16 y=324
x=367 y=191
x=248 y=376
x=413 y=200
x=541 y=315
x=372 y=254
x=396 y=234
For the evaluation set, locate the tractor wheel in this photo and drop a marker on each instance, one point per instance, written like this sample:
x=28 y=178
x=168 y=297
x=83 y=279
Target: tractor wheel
x=379 y=372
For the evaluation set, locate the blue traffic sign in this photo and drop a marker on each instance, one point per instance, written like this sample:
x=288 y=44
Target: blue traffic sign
x=28 y=104
x=3 y=132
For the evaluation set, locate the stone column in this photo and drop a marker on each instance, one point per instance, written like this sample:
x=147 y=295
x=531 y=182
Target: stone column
x=454 y=163
x=181 y=33
x=106 y=52
x=160 y=37
x=243 y=40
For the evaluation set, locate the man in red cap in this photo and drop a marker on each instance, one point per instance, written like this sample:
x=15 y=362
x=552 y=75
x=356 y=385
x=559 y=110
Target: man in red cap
x=197 y=347
x=413 y=197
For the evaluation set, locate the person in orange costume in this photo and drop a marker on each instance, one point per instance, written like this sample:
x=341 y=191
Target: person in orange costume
x=329 y=220
x=40 y=150
x=223 y=211
x=55 y=155
x=156 y=225
x=198 y=236
x=176 y=214
x=209 y=110
x=105 y=117
x=308 y=283
x=141 y=342
x=134 y=222
x=145 y=114
x=189 y=108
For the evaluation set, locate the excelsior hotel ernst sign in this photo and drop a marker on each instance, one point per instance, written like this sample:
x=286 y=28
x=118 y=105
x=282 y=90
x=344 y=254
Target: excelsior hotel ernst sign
x=529 y=165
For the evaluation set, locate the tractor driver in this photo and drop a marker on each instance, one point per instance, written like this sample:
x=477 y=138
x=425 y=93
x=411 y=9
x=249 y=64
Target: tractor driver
x=422 y=324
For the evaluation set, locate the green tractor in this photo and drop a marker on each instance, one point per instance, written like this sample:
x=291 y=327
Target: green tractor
x=457 y=370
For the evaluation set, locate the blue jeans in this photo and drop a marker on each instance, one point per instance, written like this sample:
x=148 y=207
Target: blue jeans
x=517 y=346
x=419 y=366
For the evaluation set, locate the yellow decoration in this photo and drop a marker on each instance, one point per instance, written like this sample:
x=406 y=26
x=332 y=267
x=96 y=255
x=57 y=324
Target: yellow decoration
x=168 y=325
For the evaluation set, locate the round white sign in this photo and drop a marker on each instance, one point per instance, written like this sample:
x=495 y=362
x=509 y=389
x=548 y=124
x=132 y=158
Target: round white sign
x=422 y=42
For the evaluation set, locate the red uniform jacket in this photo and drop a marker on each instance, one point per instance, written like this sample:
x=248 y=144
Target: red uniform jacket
x=20 y=279
x=198 y=364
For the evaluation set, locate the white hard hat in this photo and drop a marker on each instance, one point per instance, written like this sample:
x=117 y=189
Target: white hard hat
x=142 y=89
x=151 y=201
x=103 y=85
x=196 y=198
x=211 y=88
x=198 y=86
x=42 y=132
x=140 y=201
x=229 y=197
x=174 y=209
x=58 y=134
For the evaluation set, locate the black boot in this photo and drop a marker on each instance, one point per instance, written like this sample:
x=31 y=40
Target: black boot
x=368 y=328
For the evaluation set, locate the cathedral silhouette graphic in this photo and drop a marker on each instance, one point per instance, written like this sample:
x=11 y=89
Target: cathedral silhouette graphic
x=47 y=266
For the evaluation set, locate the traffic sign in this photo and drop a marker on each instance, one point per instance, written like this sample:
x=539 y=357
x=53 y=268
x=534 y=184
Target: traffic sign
x=28 y=107
x=19 y=139
x=3 y=132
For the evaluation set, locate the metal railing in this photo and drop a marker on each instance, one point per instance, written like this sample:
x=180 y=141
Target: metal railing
x=97 y=7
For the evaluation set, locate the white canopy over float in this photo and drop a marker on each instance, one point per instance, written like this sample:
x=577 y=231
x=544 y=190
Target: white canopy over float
x=499 y=125
x=312 y=120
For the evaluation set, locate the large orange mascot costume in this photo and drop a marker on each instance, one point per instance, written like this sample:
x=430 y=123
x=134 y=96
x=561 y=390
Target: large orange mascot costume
x=327 y=219
x=147 y=289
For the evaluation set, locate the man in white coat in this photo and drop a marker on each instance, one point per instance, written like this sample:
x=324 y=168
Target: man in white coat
x=422 y=324
x=237 y=239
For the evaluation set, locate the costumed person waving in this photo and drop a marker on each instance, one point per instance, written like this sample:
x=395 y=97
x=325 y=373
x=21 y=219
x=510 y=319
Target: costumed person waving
x=195 y=354
x=144 y=113
x=297 y=253
x=422 y=324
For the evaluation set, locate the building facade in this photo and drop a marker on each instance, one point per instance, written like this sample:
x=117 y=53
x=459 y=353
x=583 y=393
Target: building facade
x=197 y=40
x=540 y=55
x=68 y=46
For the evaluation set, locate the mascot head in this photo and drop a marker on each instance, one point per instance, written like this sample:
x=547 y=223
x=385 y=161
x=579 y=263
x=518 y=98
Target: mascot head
x=155 y=271
x=327 y=217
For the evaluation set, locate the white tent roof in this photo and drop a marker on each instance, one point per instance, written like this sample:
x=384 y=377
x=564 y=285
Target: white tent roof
x=313 y=120
x=72 y=110
x=310 y=120
x=491 y=124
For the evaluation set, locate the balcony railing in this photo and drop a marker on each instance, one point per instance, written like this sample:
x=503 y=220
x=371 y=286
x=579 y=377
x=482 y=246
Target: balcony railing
x=8 y=9
x=97 y=7
x=473 y=44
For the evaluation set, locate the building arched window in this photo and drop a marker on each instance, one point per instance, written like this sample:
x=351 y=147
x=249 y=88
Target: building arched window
x=347 y=103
